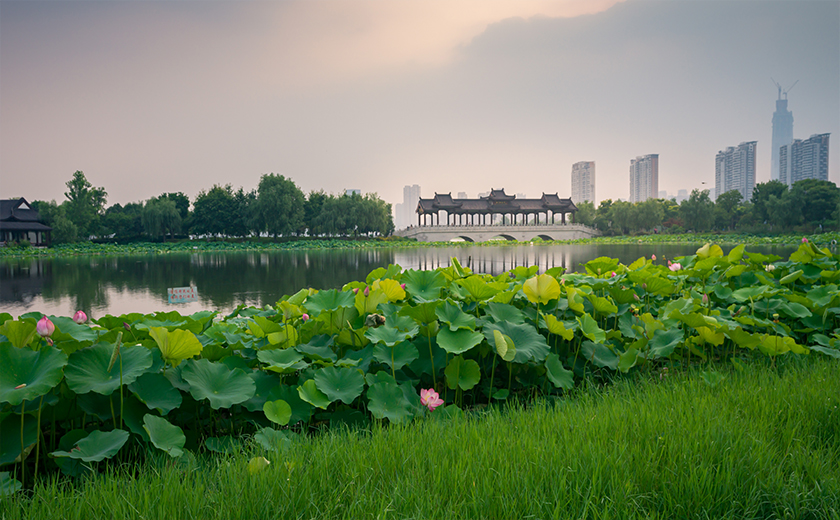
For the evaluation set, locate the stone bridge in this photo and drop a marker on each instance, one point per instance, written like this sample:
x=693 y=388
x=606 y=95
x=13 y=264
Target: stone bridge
x=484 y=233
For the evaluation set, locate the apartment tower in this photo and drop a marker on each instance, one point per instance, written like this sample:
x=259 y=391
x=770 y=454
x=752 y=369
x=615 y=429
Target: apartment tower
x=644 y=178
x=782 y=133
x=583 y=181
x=735 y=170
x=806 y=159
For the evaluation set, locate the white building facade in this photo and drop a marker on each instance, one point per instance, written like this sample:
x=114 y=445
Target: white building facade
x=644 y=178
x=735 y=170
x=583 y=181
x=806 y=159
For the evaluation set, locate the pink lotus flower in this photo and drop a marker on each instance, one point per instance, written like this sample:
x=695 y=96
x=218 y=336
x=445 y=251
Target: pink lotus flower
x=80 y=317
x=355 y=290
x=675 y=267
x=613 y=275
x=430 y=399
x=304 y=317
x=403 y=286
x=653 y=257
x=45 y=327
x=804 y=240
x=367 y=292
x=705 y=299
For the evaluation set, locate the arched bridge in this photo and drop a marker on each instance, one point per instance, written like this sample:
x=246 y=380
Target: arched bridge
x=520 y=232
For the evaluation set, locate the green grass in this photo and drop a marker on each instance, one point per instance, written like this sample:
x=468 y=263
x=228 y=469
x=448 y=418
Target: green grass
x=763 y=443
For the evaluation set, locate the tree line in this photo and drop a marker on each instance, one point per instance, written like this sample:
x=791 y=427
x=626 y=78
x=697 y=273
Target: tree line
x=809 y=205
x=276 y=208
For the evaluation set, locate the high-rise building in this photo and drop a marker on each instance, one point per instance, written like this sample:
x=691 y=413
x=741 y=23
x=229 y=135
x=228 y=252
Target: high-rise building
x=782 y=133
x=583 y=181
x=735 y=170
x=806 y=159
x=644 y=178
x=405 y=212
x=681 y=196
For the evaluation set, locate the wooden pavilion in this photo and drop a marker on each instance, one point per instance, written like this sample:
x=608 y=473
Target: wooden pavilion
x=483 y=211
x=19 y=221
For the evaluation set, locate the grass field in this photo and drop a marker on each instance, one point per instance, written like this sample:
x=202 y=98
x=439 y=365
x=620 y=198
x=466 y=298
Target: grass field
x=762 y=443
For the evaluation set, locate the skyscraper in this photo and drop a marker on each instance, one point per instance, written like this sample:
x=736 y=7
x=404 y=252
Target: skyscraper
x=782 y=132
x=735 y=170
x=806 y=159
x=406 y=214
x=644 y=178
x=583 y=181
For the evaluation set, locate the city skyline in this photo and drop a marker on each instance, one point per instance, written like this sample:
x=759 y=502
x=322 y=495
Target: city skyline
x=377 y=96
x=735 y=170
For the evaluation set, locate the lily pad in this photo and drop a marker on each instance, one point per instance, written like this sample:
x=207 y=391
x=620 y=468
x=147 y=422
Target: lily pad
x=387 y=401
x=463 y=373
x=557 y=374
x=96 y=446
x=156 y=392
x=278 y=412
x=459 y=341
x=26 y=374
x=530 y=346
x=423 y=286
x=309 y=392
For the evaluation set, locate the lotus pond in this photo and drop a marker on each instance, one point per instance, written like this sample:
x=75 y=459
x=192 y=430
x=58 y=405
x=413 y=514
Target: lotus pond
x=122 y=387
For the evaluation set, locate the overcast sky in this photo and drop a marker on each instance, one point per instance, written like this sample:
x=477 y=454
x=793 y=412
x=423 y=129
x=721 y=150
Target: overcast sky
x=148 y=97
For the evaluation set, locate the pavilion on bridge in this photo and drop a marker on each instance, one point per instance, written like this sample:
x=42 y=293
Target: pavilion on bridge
x=483 y=211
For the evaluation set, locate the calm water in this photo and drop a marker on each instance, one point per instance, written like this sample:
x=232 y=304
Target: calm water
x=116 y=285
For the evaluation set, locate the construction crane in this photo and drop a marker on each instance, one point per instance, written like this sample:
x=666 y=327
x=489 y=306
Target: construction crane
x=785 y=92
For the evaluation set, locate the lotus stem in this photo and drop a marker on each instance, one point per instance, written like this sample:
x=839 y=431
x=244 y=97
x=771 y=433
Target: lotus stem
x=432 y=358
x=492 y=373
x=22 y=467
x=38 y=440
x=393 y=372
x=113 y=415
x=510 y=376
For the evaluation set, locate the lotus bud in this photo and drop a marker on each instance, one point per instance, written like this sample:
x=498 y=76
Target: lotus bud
x=80 y=317
x=613 y=275
x=45 y=327
x=355 y=290
x=804 y=240
x=126 y=326
x=770 y=268
x=636 y=297
x=653 y=257
x=403 y=286
x=367 y=292
x=304 y=317
x=705 y=299
x=22 y=385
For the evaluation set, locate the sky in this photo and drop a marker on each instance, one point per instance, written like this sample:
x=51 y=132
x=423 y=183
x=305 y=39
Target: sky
x=147 y=97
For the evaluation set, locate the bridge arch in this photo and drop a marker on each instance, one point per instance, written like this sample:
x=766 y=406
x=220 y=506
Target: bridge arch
x=545 y=237
x=504 y=236
x=462 y=238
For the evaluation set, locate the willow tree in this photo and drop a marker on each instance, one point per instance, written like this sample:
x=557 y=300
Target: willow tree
x=279 y=205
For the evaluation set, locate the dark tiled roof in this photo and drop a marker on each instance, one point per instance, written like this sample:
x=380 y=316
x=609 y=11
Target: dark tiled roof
x=6 y=225
x=497 y=202
x=16 y=215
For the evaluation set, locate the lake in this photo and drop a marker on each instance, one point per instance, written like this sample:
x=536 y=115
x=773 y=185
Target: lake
x=116 y=285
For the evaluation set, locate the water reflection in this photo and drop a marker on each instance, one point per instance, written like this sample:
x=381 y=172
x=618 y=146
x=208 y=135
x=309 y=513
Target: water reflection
x=120 y=284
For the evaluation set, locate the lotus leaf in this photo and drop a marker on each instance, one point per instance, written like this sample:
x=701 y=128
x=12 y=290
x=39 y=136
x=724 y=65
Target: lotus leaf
x=264 y=382
x=88 y=369
x=541 y=289
x=599 y=355
x=530 y=346
x=309 y=392
x=68 y=330
x=479 y=289
x=175 y=346
x=603 y=304
x=822 y=296
x=26 y=374
x=452 y=315
x=284 y=361
x=557 y=374
x=736 y=254
x=330 y=300
x=504 y=346
x=217 y=383
x=156 y=392
x=366 y=304
x=403 y=353
x=387 y=401
x=19 y=333
x=463 y=373
x=631 y=357
x=164 y=435
x=301 y=410
x=790 y=278
x=523 y=273
x=556 y=326
x=388 y=335
x=345 y=384
x=459 y=341
x=828 y=351
x=663 y=342
x=423 y=286
x=227 y=444
x=273 y=440
x=422 y=313
x=392 y=290
x=278 y=412
x=710 y=336
x=96 y=446
x=505 y=312
x=660 y=286
x=317 y=353
x=10 y=433
x=8 y=485
x=775 y=345
x=575 y=299
x=590 y=329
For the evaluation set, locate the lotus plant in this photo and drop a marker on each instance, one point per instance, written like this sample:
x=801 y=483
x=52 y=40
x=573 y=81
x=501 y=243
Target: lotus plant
x=45 y=327
x=430 y=399
x=80 y=317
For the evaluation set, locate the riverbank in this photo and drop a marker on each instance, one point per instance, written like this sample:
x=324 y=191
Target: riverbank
x=155 y=248
x=758 y=443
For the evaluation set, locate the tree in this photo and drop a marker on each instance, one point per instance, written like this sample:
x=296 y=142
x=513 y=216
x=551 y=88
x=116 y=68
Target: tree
x=647 y=214
x=182 y=202
x=214 y=211
x=726 y=209
x=585 y=214
x=761 y=196
x=818 y=199
x=85 y=204
x=697 y=211
x=785 y=211
x=244 y=223
x=621 y=215
x=279 y=205
x=312 y=208
x=124 y=222
x=161 y=217
x=602 y=220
